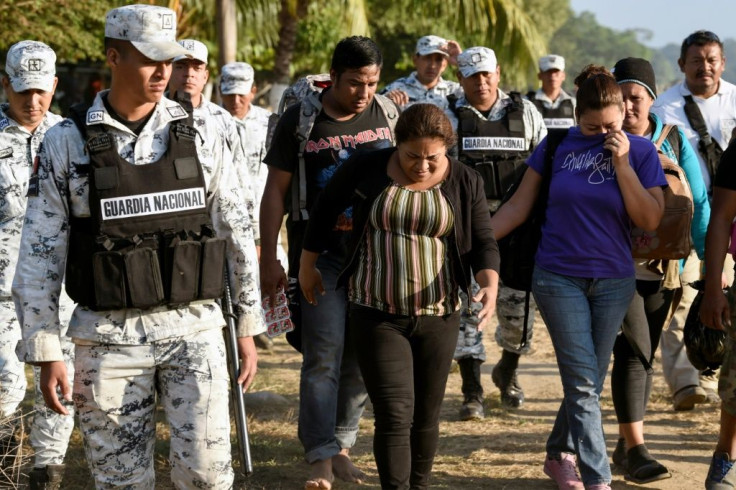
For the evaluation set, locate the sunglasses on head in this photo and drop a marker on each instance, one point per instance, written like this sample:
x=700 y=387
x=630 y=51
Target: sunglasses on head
x=701 y=37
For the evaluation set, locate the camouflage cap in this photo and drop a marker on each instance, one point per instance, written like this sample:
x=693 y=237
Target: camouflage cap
x=475 y=60
x=236 y=78
x=31 y=65
x=431 y=44
x=151 y=29
x=551 y=62
x=197 y=50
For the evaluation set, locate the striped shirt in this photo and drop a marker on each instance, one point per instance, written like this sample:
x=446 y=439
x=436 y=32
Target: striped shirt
x=404 y=266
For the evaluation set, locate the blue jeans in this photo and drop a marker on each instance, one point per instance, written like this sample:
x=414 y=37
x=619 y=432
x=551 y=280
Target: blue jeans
x=331 y=391
x=583 y=316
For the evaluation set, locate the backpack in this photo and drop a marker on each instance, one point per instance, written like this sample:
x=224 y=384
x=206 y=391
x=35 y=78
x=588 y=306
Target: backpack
x=518 y=248
x=305 y=91
x=672 y=239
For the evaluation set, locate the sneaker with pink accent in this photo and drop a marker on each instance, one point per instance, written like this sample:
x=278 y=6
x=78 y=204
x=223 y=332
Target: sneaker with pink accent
x=564 y=471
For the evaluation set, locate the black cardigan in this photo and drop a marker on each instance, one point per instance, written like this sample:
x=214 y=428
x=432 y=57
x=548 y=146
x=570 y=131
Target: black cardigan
x=361 y=179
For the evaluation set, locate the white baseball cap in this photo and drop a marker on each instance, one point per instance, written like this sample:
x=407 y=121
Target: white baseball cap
x=551 y=62
x=31 y=65
x=151 y=29
x=477 y=59
x=431 y=44
x=236 y=78
x=197 y=50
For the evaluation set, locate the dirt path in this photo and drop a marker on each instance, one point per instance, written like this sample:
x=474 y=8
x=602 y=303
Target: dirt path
x=504 y=451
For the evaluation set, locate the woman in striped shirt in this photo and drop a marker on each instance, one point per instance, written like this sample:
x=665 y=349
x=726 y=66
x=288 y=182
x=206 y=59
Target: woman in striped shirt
x=420 y=225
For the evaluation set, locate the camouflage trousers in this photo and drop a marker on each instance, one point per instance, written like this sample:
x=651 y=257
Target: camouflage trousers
x=50 y=431
x=115 y=392
x=510 y=328
x=727 y=379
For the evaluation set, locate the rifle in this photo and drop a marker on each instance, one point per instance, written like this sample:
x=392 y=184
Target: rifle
x=233 y=364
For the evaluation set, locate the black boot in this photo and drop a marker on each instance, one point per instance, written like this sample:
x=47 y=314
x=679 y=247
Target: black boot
x=504 y=377
x=47 y=477
x=472 y=389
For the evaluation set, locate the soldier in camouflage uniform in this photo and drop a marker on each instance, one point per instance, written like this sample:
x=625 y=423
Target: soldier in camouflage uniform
x=190 y=75
x=719 y=311
x=237 y=89
x=489 y=111
x=29 y=86
x=556 y=105
x=426 y=84
x=126 y=356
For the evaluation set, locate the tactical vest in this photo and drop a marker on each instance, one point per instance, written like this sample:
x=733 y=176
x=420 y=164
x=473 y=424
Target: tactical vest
x=496 y=149
x=563 y=116
x=149 y=240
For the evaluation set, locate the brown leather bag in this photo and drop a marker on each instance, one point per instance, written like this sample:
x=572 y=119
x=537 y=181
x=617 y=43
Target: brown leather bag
x=671 y=239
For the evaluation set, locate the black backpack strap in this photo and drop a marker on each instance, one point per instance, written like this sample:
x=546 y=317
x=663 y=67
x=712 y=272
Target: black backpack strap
x=709 y=148
x=673 y=138
x=554 y=138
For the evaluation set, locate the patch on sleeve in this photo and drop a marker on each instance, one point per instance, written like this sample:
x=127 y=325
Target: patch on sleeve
x=176 y=111
x=94 y=117
x=6 y=152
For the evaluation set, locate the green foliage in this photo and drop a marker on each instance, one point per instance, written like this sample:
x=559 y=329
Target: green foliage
x=582 y=40
x=71 y=27
x=508 y=26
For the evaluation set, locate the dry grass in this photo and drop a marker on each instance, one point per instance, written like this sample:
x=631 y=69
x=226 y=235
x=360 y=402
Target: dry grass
x=504 y=451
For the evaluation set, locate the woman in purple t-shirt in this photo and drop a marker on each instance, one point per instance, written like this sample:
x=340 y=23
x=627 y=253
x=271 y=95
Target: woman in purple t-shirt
x=602 y=181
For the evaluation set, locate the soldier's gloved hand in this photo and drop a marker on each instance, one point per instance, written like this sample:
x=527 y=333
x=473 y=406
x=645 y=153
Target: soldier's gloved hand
x=53 y=377
x=399 y=97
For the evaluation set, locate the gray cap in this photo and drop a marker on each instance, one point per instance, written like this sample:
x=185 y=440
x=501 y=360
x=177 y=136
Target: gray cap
x=197 y=50
x=551 y=62
x=477 y=59
x=236 y=78
x=432 y=44
x=31 y=65
x=151 y=29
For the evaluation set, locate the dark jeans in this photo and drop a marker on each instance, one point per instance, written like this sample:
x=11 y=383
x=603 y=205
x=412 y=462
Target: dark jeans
x=631 y=383
x=405 y=362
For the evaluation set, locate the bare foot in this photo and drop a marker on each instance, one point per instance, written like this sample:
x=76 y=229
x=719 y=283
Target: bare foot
x=344 y=469
x=320 y=477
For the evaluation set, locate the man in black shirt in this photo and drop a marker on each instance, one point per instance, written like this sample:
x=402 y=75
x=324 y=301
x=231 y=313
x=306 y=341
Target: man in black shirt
x=351 y=117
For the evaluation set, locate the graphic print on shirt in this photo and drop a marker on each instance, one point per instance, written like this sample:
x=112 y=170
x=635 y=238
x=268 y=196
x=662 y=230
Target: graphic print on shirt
x=337 y=150
x=599 y=163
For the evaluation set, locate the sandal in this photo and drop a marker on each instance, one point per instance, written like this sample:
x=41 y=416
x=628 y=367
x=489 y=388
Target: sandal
x=642 y=467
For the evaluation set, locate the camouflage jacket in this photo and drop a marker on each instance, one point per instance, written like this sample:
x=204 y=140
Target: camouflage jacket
x=417 y=92
x=227 y=124
x=18 y=149
x=252 y=130
x=64 y=191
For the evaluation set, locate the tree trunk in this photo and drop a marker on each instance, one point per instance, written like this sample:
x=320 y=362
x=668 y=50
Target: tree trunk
x=288 y=28
x=227 y=32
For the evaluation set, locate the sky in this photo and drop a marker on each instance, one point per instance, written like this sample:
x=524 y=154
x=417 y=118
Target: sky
x=670 y=21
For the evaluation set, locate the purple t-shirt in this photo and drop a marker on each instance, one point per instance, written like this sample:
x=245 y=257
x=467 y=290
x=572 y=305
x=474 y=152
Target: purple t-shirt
x=587 y=230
